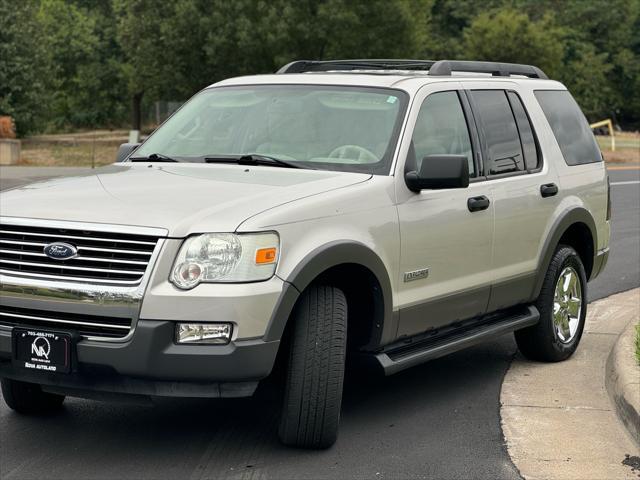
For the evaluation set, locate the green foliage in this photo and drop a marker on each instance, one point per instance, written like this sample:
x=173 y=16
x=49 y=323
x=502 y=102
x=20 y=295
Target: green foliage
x=88 y=63
x=81 y=83
x=23 y=65
x=587 y=74
x=510 y=36
x=374 y=29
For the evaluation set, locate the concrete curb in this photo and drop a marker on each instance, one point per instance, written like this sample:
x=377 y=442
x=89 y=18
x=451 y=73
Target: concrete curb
x=558 y=419
x=623 y=381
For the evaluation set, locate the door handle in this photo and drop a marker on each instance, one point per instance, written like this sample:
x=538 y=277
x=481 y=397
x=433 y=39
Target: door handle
x=548 y=190
x=475 y=204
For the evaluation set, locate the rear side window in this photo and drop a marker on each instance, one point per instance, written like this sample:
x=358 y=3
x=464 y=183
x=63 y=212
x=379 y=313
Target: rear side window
x=570 y=127
x=503 y=146
x=527 y=138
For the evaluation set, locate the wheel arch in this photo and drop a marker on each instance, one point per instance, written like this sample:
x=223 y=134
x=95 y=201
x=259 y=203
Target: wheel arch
x=577 y=229
x=360 y=273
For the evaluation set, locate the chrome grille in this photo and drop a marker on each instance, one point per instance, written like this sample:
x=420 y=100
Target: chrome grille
x=86 y=325
x=103 y=257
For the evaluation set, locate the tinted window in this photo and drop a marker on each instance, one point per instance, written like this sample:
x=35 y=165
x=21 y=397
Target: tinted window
x=500 y=131
x=527 y=138
x=570 y=127
x=441 y=128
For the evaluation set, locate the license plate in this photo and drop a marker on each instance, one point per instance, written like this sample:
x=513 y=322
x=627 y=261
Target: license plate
x=42 y=350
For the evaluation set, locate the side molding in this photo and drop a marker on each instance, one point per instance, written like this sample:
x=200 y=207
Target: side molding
x=561 y=225
x=318 y=261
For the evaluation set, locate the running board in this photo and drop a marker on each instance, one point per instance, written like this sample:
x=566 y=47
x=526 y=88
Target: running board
x=419 y=349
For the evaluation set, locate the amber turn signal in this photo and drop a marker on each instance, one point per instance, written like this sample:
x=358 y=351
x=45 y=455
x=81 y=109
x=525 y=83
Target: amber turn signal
x=265 y=255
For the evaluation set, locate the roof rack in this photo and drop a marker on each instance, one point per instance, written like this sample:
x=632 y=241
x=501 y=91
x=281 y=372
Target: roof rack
x=300 y=66
x=439 y=68
x=445 y=67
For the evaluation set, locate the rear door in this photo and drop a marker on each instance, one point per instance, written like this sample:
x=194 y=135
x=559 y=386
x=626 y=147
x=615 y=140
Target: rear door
x=445 y=247
x=523 y=188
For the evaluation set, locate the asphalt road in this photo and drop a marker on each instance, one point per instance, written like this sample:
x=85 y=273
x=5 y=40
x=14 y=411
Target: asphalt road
x=438 y=420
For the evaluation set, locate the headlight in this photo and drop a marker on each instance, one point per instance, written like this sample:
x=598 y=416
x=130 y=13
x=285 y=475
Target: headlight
x=225 y=258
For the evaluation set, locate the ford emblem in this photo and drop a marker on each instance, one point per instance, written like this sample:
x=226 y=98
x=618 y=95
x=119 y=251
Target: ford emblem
x=60 y=251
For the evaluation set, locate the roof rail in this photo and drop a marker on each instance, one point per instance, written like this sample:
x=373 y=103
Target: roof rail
x=441 y=67
x=300 y=66
x=445 y=67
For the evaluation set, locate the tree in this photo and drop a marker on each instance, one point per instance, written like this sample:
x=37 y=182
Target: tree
x=24 y=67
x=603 y=54
x=586 y=75
x=162 y=48
x=264 y=35
x=71 y=47
x=86 y=63
x=374 y=29
x=449 y=19
x=510 y=36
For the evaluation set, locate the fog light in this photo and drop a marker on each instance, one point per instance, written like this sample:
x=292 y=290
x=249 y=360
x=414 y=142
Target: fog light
x=209 y=333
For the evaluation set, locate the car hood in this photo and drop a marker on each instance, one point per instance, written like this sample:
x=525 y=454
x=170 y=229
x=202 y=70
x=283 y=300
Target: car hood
x=182 y=198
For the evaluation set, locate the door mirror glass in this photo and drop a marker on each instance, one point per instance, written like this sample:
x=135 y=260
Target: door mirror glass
x=439 y=171
x=125 y=150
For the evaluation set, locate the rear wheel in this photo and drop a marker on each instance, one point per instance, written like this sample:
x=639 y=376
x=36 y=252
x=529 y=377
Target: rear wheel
x=563 y=308
x=29 y=398
x=315 y=373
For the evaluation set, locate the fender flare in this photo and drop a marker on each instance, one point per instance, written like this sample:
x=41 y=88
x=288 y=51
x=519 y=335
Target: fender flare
x=560 y=226
x=320 y=260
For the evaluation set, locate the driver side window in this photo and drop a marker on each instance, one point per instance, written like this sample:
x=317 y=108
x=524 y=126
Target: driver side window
x=441 y=129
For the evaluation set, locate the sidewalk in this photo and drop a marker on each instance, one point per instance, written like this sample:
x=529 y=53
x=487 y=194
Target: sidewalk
x=557 y=418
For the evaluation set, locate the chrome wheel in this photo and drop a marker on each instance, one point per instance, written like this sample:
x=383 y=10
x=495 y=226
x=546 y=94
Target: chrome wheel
x=567 y=305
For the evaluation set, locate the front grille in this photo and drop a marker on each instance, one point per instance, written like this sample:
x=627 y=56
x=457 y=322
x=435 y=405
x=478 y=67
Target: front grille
x=103 y=257
x=86 y=325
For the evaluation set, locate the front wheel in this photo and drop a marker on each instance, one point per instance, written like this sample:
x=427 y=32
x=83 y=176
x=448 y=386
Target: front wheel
x=315 y=373
x=563 y=308
x=28 y=398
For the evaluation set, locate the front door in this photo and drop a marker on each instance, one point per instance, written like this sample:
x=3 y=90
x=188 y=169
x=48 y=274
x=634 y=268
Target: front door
x=446 y=235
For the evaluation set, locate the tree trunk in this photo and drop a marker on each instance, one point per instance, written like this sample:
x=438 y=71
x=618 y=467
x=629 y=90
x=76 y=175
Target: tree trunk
x=136 y=111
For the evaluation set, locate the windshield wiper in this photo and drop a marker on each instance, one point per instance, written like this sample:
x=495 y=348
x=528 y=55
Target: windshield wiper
x=252 y=159
x=154 y=157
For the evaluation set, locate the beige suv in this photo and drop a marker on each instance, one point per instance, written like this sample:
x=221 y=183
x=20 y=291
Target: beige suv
x=389 y=210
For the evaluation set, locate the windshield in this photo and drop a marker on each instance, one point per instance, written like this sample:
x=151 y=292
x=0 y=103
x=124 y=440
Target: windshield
x=311 y=126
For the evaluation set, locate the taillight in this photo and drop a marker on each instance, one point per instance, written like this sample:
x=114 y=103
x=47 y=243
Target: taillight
x=608 y=198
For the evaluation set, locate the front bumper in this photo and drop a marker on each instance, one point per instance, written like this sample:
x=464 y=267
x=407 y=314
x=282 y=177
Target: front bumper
x=147 y=361
x=151 y=364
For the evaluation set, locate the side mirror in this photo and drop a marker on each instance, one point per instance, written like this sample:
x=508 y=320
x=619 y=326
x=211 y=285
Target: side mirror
x=439 y=171
x=125 y=150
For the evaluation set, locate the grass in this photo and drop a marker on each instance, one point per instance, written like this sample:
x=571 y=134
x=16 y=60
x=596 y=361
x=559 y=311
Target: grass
x=627 y=147
x=80 y=155
x=78 y=149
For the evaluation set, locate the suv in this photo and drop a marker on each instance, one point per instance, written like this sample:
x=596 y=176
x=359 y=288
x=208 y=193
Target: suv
x=390 y=210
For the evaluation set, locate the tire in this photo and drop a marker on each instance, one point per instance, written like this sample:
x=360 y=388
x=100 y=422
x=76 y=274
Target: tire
x=28 y=398
x=555 y=337
x=315 y=372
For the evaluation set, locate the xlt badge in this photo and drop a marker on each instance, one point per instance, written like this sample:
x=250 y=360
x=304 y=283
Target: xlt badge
x=416 y=275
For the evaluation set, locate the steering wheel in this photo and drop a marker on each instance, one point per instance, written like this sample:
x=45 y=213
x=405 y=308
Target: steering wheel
x=354 y=152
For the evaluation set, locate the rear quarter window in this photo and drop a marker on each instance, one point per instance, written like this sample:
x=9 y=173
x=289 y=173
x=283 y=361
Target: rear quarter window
x=570 y=127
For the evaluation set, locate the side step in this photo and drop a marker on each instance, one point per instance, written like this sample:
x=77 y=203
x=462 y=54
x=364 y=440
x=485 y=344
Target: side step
x=415 y=350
